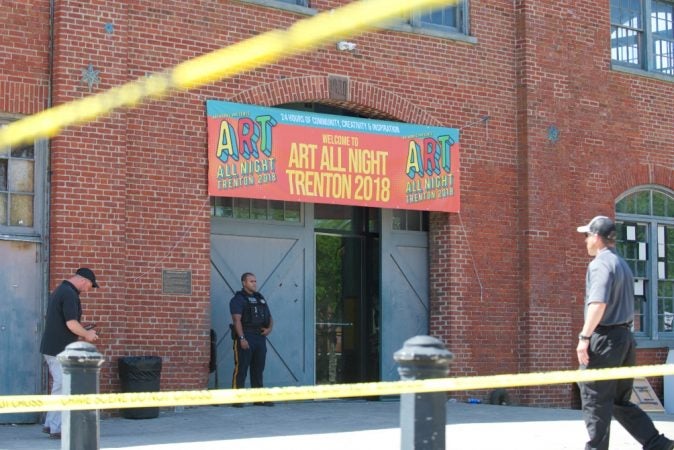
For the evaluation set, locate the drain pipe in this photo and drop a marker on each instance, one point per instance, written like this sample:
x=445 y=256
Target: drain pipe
x=50 y=62
x=46 y=146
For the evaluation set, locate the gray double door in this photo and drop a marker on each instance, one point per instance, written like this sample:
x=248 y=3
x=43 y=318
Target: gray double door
x=20 y=323
x=374 y=286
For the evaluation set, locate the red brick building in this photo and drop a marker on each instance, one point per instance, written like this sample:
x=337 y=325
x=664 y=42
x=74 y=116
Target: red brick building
x=564 y=111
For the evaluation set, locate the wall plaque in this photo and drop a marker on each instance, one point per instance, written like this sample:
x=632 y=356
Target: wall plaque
x=177 y=282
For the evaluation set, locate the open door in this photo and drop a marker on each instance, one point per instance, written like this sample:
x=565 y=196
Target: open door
x=347 y=294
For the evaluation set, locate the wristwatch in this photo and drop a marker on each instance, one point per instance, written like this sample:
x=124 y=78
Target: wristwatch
x=242 y=338
x=583 y=338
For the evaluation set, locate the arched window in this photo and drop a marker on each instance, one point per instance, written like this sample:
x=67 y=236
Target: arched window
x=645 y=228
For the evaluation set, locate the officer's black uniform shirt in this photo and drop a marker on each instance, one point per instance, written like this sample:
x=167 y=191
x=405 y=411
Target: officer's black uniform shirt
x=253 y=309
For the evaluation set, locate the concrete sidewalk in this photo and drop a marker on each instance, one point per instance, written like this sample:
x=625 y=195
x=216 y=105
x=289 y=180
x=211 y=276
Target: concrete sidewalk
x=337 y=425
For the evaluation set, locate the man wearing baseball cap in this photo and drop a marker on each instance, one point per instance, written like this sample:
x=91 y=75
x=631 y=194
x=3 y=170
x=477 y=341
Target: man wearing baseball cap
x=606 y=341
x=63 y=327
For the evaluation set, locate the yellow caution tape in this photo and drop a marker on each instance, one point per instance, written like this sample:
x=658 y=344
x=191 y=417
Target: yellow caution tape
x=266 y=48
x=37 y=403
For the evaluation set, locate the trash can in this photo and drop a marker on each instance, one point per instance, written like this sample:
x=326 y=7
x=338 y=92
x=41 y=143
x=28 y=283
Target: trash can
x=140 y=374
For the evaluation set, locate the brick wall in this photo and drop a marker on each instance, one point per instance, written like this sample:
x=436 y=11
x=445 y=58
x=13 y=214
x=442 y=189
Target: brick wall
x=129 y=191
x=24 y=54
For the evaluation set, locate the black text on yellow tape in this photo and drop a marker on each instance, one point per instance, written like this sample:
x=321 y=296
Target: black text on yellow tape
x=37 y=403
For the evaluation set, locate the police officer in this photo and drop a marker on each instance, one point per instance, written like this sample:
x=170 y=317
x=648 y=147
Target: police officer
x=251 y=324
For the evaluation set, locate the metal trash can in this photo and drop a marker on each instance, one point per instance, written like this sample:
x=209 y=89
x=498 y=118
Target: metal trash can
x=140 y=374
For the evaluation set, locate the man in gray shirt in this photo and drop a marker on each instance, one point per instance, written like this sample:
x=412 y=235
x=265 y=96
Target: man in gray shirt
x=606 y=341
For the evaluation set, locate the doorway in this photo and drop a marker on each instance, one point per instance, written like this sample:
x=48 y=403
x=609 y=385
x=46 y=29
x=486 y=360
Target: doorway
x=377 y=284
x=23 y=270
x=347 y=324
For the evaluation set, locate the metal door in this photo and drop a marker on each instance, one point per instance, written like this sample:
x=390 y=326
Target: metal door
x=404 y=288
x=20 y=360
x=278 y=255
x=23 y=269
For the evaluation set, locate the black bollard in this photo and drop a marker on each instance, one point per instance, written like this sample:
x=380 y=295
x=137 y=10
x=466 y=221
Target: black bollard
x=81 y=365
x=423 y=415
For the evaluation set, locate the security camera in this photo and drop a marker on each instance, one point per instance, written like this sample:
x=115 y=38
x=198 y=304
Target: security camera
x=346 y=46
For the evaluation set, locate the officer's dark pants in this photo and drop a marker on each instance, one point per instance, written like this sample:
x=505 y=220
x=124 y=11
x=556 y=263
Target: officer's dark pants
x=614 y=347
x=253 y=359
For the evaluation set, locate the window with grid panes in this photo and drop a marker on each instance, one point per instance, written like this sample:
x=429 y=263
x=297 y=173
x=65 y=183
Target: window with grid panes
x=295 y=2
x=645 y=239
x=17 y=186
x=642 y=34
x=410 y=220
x=255 y=209
x=279 y=3
x=452 y=18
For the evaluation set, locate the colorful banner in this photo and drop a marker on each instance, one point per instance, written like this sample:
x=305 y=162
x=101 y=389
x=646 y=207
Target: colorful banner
x=281 y=154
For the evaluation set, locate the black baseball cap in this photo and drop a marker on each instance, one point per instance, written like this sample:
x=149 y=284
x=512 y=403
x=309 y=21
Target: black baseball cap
x=88 y=274
x=600 y=225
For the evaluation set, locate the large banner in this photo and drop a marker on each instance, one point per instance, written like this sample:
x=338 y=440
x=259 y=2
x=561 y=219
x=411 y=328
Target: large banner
x=281 y=154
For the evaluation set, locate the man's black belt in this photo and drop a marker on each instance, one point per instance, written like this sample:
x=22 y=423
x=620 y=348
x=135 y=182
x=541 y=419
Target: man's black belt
x=252 y=330
x=612 y=327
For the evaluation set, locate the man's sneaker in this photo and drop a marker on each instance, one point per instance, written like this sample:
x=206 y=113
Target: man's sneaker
x=54 y=435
